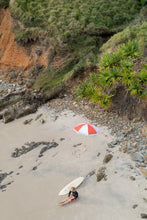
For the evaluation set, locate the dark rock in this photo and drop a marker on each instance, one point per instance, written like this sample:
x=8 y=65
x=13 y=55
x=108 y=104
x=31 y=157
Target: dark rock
x=76 y=145
x=1 y=116
x=43 y=149
x=20 y=167
x=143 y=215
x=10 y=99
x=62 y=139
x=38 y=116
x=3 y=176
x=8 y=116
x=98 y=154
x=132 y=178
x=91 y=173
x=3 y=187
x=134 y=206
x=27 y=121
x=34 y=168
x=32 y=145
x=42 y=121
x=107 y=158
x=48 y=146
x=17 y=174
x=25 y=110
x=112 y=144
x=10 y=172
x=101 y=174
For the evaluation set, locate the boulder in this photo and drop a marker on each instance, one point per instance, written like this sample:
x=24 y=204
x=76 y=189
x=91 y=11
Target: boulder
x=10 y=99
x=23 y=111
x=8 y=116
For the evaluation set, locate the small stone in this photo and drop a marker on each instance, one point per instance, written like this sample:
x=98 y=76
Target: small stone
x=27 y=121
x=56 y=117
x=91 y=173
x=134 y=206
x=132 y=178
x=107 y=158
x=131 y=167
x=38 y=116
x=20 y=167
x=98 y=154
x=34 y=168
x=42 y=121
x=143 y=215
x=62 y=139
x=145 y=200
x=100 y=174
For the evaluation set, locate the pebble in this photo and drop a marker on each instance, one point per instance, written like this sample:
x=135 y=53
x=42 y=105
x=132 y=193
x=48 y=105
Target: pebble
x=134 y=206
x=132 y=178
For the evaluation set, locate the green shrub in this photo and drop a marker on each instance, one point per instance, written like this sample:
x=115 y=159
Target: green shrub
x=115 y=67
x=143 y=2
x=4 y=3
x=131 y=48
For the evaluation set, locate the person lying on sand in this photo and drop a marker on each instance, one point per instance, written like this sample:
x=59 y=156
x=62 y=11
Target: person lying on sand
x=72 y=195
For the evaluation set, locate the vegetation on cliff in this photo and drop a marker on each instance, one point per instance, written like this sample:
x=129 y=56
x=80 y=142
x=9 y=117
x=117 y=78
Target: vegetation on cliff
x=74 y=32
x=76 y=29
x=4 y=3
x=125 y=63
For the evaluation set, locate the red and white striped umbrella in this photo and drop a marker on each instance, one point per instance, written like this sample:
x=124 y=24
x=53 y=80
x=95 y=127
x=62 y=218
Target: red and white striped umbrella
x=87 y=129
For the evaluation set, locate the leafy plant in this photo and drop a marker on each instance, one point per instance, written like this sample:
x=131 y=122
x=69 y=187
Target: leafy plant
x=4 y=3
x=131 y=48
x=115 y=67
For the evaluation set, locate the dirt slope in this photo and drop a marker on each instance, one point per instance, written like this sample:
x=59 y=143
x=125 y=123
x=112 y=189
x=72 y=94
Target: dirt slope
x=12 y=56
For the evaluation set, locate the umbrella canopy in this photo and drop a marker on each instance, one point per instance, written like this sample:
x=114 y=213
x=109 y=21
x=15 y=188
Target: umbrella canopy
x=86 y=129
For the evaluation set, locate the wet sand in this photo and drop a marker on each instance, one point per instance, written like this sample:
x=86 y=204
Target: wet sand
x=34 y=193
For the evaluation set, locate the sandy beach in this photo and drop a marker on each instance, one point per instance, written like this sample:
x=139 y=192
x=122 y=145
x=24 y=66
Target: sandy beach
x=33 y=193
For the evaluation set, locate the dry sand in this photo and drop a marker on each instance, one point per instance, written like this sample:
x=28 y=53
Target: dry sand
x=34 y=194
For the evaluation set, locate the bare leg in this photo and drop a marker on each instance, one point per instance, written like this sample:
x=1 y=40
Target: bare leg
x=67 y=200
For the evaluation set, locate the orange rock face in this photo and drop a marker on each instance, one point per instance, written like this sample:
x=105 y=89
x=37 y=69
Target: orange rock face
x=12 y=55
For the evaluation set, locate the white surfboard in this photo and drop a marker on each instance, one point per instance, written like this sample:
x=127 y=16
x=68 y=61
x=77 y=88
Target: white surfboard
x=75 y=183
